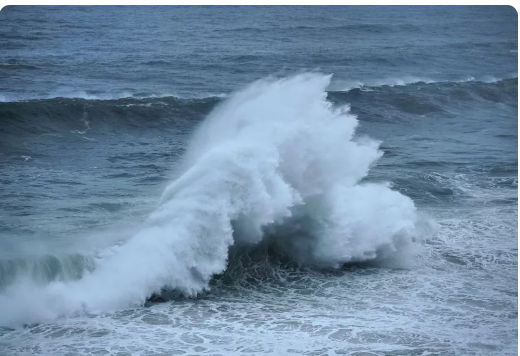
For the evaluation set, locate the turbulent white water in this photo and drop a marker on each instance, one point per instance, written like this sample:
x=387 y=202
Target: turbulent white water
x=274 y=159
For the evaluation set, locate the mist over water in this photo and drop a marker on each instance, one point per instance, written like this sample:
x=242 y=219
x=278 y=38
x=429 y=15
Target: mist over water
x=190 y=180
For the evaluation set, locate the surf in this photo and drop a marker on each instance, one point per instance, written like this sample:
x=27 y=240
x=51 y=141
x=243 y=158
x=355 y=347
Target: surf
x=275 y=161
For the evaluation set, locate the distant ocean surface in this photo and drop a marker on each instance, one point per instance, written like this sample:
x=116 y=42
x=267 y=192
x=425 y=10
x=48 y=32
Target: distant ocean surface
x=258 y=180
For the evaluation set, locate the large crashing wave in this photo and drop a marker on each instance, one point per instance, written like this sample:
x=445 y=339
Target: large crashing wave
x=276 y=160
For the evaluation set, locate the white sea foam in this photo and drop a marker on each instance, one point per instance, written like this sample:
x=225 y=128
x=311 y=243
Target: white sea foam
x=347 y=85
x=81 y=94
x=275 y=158
x=365 y=85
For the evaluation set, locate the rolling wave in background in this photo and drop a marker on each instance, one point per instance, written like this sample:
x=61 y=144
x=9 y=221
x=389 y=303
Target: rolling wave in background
x=340 y=85
x=276 y=164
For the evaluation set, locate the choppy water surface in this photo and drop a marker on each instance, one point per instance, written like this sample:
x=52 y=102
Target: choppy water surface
x=258 y=180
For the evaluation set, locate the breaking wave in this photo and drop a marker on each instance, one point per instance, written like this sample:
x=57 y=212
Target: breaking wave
x=275 y=163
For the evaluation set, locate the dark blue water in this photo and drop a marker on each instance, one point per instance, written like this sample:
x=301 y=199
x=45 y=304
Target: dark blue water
x=411 y=253
x=197 y=51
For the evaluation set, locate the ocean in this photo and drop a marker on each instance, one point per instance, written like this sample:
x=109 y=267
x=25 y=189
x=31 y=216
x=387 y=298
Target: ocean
x=258 y=180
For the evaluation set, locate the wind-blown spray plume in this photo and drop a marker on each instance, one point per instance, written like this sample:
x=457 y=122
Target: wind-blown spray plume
x=275 y=160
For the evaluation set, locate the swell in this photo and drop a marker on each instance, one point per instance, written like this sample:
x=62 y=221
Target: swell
x=413 y=81
x=58 y=115
x=63 y=115
x=422 y=98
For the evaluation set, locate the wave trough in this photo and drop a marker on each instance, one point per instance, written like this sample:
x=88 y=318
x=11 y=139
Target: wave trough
x=275 y=160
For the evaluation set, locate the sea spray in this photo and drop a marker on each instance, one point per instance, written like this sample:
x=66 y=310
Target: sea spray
x=275 y=159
